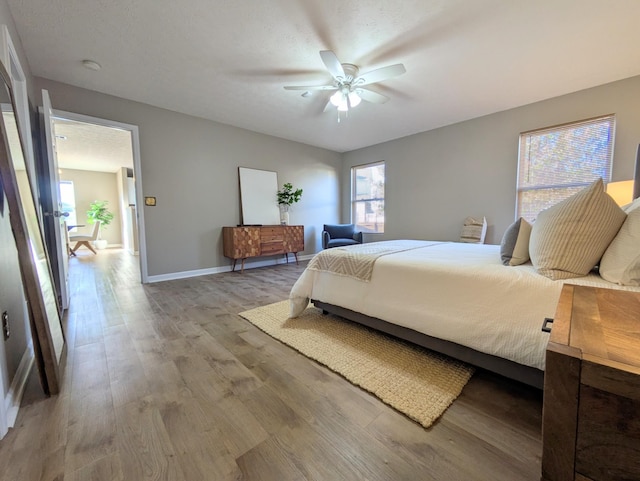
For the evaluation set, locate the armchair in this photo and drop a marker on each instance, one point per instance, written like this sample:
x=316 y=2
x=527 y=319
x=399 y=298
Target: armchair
x=337 y=235
x=85 y=240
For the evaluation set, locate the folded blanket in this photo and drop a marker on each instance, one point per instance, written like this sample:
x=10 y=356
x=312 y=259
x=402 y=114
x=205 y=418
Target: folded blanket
x=357 y=261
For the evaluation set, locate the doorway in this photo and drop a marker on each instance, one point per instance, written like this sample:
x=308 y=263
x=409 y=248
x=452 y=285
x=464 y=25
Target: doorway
x=99 y=159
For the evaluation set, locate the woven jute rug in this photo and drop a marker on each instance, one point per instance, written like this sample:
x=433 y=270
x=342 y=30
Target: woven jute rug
x=415 y=381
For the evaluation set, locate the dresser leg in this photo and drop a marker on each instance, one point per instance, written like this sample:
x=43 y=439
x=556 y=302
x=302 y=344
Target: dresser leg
x=296 y=256
x=242 y=269
x=233 y=268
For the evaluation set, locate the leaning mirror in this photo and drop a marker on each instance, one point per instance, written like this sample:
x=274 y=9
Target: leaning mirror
x=48 y=338
x=259 y=196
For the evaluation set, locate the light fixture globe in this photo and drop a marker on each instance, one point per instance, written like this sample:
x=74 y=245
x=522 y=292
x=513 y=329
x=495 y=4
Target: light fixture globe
x=345 y=98
x=354 y=99
x=337 y=99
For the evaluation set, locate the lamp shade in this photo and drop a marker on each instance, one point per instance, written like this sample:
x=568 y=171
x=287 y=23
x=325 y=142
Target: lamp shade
x=621 y=192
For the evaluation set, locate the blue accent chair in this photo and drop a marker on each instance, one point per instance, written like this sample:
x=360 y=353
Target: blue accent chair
x=337 y=235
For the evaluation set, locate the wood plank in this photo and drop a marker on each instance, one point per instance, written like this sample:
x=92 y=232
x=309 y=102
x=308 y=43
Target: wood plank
x=562 y=320
x=610 y=378
x=608 y=445
x=560 y=416
x=143 y=444
x=587 y=330
x=196 y=441
x=107 y=468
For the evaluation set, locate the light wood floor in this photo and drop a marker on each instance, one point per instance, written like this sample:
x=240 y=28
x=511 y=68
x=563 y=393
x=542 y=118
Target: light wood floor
x=167 y=382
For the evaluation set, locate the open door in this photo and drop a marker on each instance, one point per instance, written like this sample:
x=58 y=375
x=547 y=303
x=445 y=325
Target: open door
x=54 y=217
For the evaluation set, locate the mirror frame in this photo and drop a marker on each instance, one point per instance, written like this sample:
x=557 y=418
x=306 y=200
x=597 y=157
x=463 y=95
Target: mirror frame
x=41 y=320
x=259 y=196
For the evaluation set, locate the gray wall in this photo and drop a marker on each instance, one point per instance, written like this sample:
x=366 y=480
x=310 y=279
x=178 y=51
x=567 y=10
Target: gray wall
x=191 y=166
x=90 y=186
x=435 y=179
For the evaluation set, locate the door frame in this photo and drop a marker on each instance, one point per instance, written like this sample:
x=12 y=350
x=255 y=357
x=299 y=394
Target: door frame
x=137 y=174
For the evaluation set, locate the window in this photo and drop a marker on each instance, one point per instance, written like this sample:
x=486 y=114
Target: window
x=556 y=162
x=68 y=200
x=367 y=197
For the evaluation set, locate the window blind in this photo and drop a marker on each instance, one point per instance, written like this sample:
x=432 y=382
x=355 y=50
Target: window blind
x=556 y=162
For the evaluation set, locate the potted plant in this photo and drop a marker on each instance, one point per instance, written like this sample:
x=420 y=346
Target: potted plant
x=98 y=210
x=286 y=198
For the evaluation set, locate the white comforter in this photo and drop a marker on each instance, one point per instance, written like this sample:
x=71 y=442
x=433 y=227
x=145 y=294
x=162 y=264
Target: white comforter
x=453 y=291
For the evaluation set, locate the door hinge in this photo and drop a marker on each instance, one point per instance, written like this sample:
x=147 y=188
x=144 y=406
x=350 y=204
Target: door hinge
x=6 y=332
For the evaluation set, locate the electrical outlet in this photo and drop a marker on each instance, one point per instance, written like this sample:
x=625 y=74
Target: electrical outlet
x=5 y=325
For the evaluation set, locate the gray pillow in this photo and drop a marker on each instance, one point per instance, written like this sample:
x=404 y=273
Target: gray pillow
x=514 y=248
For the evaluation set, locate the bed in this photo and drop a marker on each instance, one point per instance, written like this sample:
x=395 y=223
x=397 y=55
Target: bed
x=455 y=298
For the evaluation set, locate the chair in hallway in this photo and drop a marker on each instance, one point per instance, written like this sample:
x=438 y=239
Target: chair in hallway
x=85 y=240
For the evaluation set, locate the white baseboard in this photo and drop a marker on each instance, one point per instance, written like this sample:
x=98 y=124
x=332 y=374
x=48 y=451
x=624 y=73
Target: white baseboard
x=16 y=390
x=218 y=270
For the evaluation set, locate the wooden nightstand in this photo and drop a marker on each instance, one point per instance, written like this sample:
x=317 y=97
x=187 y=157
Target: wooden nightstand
x=591 y=409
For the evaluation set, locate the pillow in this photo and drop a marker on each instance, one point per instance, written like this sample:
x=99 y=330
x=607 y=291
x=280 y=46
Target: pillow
x=474 y=231
x=569 y=238
x=621 y=261
x=514 y=248
x=633 y=206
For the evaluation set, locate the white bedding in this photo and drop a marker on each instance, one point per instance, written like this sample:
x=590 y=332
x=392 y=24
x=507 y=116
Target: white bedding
x=453 y=291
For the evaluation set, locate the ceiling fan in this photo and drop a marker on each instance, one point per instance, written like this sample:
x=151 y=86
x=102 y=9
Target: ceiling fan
x=349 y=84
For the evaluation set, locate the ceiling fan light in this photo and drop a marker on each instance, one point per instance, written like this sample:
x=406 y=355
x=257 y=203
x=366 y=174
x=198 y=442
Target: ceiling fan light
x=354 y=99
x=343 y=107
x=336 y=99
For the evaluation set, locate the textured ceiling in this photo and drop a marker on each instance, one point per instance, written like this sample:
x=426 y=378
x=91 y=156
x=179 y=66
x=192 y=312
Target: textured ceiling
x=85 y=146
x=229 y=60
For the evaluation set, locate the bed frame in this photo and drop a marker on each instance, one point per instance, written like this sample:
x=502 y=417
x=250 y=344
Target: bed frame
x=526 y=374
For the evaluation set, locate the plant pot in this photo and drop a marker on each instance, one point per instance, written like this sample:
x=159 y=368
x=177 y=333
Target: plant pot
x=284 y=218
x=100 y=244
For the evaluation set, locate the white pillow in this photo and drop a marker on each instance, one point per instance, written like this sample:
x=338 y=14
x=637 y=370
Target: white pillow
x=514 y=248
x=634 y=205
x=569 y=238
x=621 y=261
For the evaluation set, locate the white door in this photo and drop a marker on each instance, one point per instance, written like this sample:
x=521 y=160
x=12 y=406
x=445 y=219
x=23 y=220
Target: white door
x=61 y=270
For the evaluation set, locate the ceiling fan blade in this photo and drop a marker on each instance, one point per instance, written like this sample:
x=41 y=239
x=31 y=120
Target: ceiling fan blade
x=371 y=96
x=310 y=87
x=332 y=63
x=380 y=74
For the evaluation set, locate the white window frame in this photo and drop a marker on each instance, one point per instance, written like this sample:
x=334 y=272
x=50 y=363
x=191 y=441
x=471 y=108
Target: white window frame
x=72 y=219
x=355 y=202
x=523 y=159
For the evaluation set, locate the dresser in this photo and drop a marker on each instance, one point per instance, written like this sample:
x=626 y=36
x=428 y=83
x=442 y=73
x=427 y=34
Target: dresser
x=245 y=242
x=591 y=407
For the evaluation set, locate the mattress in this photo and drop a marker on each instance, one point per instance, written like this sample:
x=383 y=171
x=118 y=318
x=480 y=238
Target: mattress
x=453 y=291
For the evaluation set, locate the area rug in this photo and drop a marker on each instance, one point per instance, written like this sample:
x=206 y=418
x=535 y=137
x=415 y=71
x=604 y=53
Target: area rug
x=417 y=382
